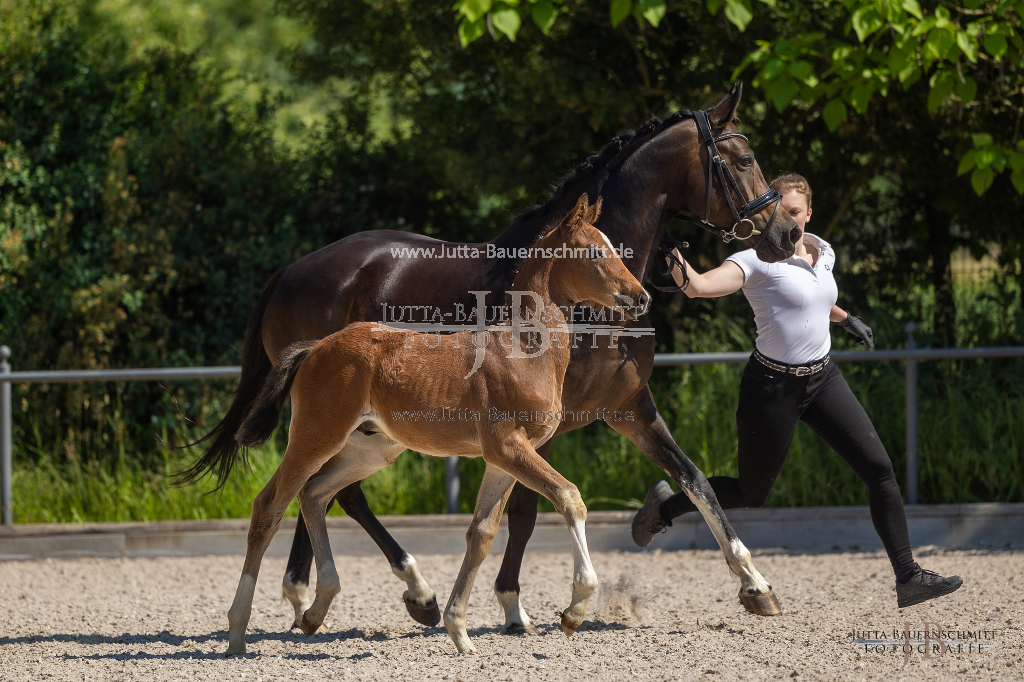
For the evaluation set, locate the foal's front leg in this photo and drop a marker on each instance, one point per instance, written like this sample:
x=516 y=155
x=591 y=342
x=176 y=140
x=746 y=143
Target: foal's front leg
x=522 y=517
x=490 y=500
x=521 y=460
x=650 y=433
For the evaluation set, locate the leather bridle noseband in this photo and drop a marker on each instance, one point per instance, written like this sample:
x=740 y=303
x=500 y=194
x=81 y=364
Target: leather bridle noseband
x=718 y=167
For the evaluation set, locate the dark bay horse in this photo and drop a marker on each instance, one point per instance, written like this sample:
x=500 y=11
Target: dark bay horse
x=646 y=178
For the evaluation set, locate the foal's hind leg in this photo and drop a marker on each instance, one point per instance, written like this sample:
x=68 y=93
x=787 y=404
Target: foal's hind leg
x=420 y=600
x=348 y=466
x=267 y=511
x=651 y=435
x=490 y=500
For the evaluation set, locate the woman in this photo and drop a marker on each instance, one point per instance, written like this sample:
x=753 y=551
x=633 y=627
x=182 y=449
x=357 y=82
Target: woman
x=790 y=377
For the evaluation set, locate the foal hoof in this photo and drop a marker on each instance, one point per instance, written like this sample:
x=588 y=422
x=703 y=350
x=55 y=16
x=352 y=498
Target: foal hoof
x=309 y=628
x=762 y=604
x=569 y=623
x=426 y=614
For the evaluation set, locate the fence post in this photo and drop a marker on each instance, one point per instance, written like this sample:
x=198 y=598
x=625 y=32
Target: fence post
x=910 y=381
x=451 y=483
x=5 y=439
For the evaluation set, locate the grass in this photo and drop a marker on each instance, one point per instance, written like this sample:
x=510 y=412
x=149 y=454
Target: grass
x=970 y=441
x=970 y=445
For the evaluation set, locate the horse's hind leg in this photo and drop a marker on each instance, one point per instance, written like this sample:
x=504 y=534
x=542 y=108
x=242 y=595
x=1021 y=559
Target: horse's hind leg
x=649 y=433
x=295 y=586
x=490 y=500
x=356 y=461
x=419 y=598
x=267 y=511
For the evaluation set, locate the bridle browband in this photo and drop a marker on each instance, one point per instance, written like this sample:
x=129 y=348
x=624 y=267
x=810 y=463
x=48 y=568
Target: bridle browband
x=717 y=166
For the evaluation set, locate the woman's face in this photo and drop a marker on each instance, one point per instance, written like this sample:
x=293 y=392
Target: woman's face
x=795 y=203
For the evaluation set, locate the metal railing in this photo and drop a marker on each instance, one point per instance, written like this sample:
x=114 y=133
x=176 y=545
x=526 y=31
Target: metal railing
x=910 y=356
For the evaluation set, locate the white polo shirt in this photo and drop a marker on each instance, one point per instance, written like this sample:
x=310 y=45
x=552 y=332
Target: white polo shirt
x=791 y=302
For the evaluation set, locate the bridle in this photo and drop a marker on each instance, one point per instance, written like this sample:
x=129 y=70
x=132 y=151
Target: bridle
x=718 y=167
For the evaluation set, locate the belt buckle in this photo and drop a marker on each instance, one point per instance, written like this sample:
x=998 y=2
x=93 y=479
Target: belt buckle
x=803 y=371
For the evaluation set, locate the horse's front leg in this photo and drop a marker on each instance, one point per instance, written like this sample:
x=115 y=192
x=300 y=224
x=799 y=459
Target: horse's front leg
x=522 y=517
x=650 y=433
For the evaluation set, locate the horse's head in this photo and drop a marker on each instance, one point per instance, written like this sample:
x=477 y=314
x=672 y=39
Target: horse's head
x=729 y=192
x=590 y=270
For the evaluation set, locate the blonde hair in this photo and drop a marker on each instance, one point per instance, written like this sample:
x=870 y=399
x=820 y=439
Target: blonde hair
x=792 y=181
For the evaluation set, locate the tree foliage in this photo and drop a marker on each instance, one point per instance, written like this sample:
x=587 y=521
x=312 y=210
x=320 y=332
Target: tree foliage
x=841 y=55
x=145 y=196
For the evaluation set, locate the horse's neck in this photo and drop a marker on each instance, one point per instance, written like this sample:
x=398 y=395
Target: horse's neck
x=634 y=210
x=635 y=197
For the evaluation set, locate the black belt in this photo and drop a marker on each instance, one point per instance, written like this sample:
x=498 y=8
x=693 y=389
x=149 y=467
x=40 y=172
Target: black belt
x=799 y=370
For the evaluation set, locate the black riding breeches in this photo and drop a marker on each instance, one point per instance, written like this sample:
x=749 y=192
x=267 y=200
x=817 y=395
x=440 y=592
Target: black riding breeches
x=770 y=404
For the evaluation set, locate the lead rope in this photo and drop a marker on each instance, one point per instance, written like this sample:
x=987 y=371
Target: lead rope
x=668 y=243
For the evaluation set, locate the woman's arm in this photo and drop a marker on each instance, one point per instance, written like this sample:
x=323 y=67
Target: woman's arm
x=726 y=279
x=838 y=314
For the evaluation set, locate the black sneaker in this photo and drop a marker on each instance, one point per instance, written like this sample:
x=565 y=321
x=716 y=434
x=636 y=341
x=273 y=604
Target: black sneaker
x=926 y=585
x=648 y=522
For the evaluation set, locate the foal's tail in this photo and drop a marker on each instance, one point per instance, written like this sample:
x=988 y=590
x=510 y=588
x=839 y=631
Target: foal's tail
x=224 y=451
x=262 y=419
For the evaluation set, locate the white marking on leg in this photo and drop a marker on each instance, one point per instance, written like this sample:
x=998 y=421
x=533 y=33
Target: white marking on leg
x=584 y=580
x=736 y=554
x=515 y=616
x=419 y=591
x=238 y=615
x=298 y=595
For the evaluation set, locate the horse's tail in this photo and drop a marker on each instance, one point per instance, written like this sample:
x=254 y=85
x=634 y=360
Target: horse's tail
x=224 y=452
x=262 y=419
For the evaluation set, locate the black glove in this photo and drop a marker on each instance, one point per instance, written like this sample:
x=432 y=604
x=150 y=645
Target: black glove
x=856 y=326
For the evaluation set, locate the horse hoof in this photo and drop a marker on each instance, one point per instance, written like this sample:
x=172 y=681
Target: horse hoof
x=309 y=628
x=570 y=624
x=235 y=651
x=520 y=629
x=762 y=604
x=427 y=614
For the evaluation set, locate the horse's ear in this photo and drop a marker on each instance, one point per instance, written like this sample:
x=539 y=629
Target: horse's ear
x=725 y=111
x=577 y=216
x=594 y=212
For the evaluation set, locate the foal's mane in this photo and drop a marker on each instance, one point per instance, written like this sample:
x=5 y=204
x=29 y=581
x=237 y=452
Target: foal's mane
x=537 y=221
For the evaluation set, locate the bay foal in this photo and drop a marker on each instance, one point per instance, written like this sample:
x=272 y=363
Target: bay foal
x=352 y=393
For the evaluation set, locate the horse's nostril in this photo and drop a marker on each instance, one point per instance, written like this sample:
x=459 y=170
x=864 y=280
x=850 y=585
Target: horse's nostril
x=794 y=235
x=645 y=300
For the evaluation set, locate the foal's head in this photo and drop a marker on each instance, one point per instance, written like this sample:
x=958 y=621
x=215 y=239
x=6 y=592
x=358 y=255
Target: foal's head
x=589 y=269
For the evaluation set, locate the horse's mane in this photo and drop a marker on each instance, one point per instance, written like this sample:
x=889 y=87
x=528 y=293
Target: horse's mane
x=535 y=222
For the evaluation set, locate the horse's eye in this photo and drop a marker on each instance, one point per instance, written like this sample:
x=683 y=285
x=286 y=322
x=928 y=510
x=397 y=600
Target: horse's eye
x=595 y=252
x=747 y=161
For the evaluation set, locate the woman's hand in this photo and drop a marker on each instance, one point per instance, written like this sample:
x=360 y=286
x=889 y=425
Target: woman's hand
x=856 y=326
x=726 y=279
